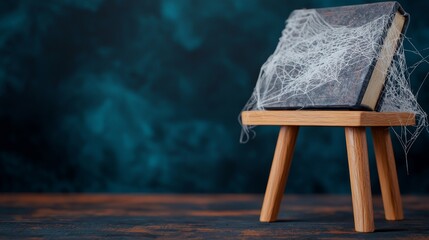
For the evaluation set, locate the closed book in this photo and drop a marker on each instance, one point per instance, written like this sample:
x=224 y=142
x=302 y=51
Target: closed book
x=358 y=77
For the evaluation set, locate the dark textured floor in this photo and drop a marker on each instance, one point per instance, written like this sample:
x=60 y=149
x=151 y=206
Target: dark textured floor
x=197 y=216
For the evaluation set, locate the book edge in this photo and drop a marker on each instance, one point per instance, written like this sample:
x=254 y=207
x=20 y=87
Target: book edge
x=363 y=99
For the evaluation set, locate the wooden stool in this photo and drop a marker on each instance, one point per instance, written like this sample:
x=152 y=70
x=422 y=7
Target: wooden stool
x=354 y=123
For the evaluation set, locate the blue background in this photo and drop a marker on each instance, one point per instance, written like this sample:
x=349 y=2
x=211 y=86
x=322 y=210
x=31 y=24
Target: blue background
x=143 y=96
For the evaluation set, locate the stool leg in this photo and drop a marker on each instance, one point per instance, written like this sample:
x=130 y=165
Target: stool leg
x=387 y=173
x=357 y=152
x=279 y=173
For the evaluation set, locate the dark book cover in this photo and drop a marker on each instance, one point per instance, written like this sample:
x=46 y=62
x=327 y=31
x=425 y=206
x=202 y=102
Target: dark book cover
x=348 y=91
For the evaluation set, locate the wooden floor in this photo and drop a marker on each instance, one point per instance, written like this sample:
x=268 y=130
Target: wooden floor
x=197 y=216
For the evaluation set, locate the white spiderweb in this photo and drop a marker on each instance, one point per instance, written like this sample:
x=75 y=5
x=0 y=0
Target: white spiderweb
x=313 y=54
x=398 y=97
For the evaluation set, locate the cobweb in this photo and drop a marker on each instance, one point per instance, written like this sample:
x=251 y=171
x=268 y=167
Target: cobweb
x=312 y=53
x=398 y=97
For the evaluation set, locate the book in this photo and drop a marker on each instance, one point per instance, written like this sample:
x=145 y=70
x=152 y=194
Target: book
x=358 y=86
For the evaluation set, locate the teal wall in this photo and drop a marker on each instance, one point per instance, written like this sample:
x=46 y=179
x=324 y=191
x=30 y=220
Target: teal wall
x=143 y=96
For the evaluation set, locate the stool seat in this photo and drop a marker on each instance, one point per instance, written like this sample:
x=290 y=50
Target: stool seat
x=327 y=118
x=354 y=123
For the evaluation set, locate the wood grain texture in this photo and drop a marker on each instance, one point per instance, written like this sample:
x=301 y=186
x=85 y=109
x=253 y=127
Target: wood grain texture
x=327 y=118
x=279 y=173
x=387 y=175
x=140 y=216
x=357 y=153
